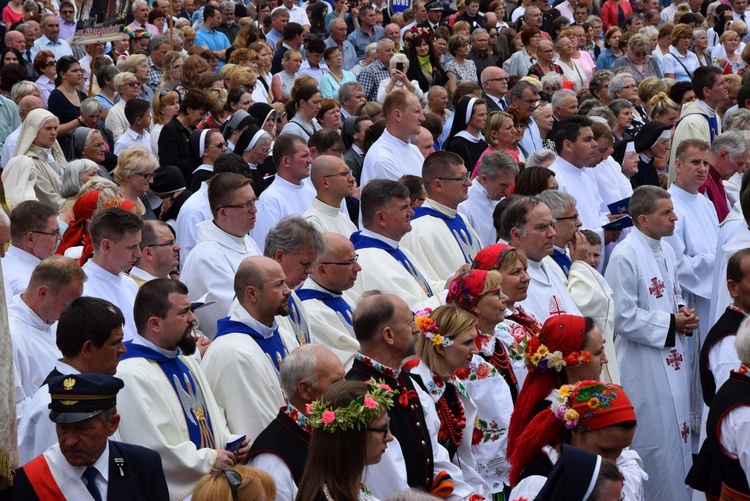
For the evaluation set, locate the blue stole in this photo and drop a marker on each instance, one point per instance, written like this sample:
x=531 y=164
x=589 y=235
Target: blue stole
x=713 y=124
x=272 y=346
x=301 y=330
x=458 y=228
x=334 y=302
x=562 y=260
x=188 y=392
x=363 y=242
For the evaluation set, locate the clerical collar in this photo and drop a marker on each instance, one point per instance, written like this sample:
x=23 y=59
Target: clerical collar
x=702 y=104
x=298 y=417
x=652 y=242
x=239 y=240
x=567 y=165
x=443 y=209
x=559 y=249
x=312 y=284
x=244 y=316
x=378 y=236
x=394 y=373
x=142 y=341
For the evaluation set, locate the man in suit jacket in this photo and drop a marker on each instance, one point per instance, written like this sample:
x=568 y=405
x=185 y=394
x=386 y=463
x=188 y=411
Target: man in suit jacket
x=495 y=87
x=83 y=408
x=354 y=155
x=434 y=16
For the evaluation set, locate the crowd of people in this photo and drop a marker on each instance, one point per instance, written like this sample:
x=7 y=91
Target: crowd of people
x=325 y=251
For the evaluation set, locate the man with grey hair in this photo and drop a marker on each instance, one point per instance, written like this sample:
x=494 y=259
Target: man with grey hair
x=295 y=244
x=338 y=31
x=50 y=39
x=25 y=105
x=159 y=48
x=350 y=95
x=242 y=364
x=564 y=104
x=329 y=310
x=141 y=10
x=281 y=448
x=729 y=156
x=496 y=174
x=525 y=97
x=478 y=53
x=494 y=82
x=651 y=321
x=228 y=25
x=527 y=224
x=379 y=70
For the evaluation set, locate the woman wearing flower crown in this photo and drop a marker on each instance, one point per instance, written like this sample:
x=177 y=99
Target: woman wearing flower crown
x=447 y=344
x=350 y=431
x=518 y=326
x=569 y=349
x=424 y=60
x=489 y=379
x=592 y=415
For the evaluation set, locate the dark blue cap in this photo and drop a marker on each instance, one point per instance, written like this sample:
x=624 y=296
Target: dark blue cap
x=77 y=397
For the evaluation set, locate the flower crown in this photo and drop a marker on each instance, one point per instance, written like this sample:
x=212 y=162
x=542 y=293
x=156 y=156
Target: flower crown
x=595 y=398
x=430 y=329
x=136 y=33
x=538 y=357
x=355 y=414
x=416 y=33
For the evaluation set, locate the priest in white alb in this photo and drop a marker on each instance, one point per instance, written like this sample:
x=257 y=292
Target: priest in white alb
x=222 y=245
x=55 y=282
x=167 y=404
x=242 y=363
x=527 y=224
x=496 y=173
x=651 y=321
x=329 y=311
x=333 y=182
x=386 y=266
x=441 y=238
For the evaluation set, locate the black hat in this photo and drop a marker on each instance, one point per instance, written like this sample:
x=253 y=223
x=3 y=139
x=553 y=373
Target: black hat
x=168 y=179
x=620 y=149
x=649 y=134
x=435 y=5
x=573 y=477
x=77 y=397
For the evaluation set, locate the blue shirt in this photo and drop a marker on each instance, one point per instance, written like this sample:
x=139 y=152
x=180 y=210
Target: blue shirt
x=214 y=40
x=360 y=40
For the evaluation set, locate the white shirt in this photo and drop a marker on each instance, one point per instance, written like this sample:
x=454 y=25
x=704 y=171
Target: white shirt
x=279 y=200
x=547 y=295
x=119 y=290
x=195 y=210
x=59 y=49
x=34 y=351
x=9 y=147
x=390 y=158
x=17 y=268
x=328 y=219
x=478 y=209
x=296 y=14
x=116 y=121
x=132 y=138
x=316 y=73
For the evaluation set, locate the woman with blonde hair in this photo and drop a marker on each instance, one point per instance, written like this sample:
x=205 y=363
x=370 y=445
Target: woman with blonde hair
x=135 y=173
x=265 y=60
x=226 y=73
x=500 y=134
x=446 y=344
x=283 y=81
x=577 y=35
x=188 y=37
x=137 y=64
x=732 y=61
x=350 y=431
x=648 y=88
x=662 y=109
x=165 y=106
x=36 y=170
x=217 y=115
x=680 y=62
x=243 y=77
x=173 y=63
x=239 y=483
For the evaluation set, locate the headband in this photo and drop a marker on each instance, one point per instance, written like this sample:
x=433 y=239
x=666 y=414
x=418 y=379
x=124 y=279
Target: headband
x=491 y=257
x=202 y=142
x=469 y=109
x=255 y=140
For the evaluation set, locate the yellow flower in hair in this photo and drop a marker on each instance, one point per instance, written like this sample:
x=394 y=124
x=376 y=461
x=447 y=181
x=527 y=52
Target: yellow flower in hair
x=570 y=415
x=594 y=402
x=437 y=339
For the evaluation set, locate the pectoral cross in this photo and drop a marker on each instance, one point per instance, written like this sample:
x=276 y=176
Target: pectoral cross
x=657 y=286
x=555 y=308
x=685 y=432
x=674 y=359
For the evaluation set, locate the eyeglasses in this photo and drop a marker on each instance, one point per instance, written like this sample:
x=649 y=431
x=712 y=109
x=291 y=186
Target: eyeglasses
x=250 y=203
x=51 y=63
x=147 y=177
x=50 y=233
x=383 y=430
x=171 y=243
x=66 y=12
x=351 y=262
x=346 y=173
x=640 y=54
x=462 y=179
x=132 y=84
x=573 y=217
x=631 y=86
x=493 y=35
x=235 y=480
x=220 y=145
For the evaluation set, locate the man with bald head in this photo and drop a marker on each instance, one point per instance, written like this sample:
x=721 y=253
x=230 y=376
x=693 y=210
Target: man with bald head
x=329 y=311
x=25 y=106
x=16 y=40
x=333 y=182
x=243 y=362
x=494 y=88
x=424 y=142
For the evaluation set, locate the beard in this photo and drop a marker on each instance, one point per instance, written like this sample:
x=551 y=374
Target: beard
x=187 y=344
x=283 y=309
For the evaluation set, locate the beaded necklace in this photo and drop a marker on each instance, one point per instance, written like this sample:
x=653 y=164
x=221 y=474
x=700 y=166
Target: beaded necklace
x=452 y=421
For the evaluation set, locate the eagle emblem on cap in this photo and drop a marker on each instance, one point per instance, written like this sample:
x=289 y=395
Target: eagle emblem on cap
x=69 y=383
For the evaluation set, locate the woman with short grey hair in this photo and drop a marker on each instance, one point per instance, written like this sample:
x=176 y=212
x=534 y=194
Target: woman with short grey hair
x=639 y=60
x=75 y=176
x=623 y=110
x=398 y=79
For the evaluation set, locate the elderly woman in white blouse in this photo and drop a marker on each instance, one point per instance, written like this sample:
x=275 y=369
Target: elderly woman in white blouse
x=398 y=79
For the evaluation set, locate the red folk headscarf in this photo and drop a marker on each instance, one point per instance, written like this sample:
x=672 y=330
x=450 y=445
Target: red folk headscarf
x=77 y=234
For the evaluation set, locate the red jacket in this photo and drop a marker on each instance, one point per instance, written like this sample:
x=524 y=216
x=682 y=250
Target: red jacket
x=609 y=12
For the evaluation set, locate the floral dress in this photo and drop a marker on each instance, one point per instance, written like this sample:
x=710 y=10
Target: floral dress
x=466 y=72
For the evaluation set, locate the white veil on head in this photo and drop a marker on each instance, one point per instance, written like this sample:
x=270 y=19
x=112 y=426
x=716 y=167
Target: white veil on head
x=31 y=127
